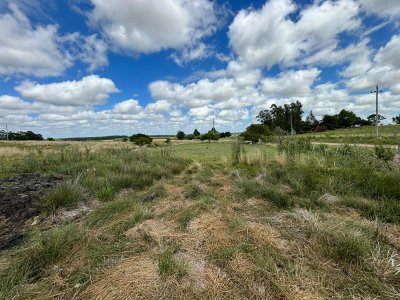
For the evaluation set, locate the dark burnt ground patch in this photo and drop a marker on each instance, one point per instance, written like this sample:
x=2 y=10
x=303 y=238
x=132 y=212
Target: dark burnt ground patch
x=19 y=201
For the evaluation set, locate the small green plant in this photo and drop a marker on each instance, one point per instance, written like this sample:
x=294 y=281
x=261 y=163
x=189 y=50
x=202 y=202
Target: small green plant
x=168 y=263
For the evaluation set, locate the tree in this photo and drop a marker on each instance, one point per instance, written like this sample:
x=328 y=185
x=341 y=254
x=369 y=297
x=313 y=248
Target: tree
x=346 y=119
x=225 y=134
x=310 y=123
x=180 y=135
x=265 y=117
x=141 y=139
x=196 y=133
x=256 y=132
x=330 y=121
x=396 y=119
x=372 y=118
x=210 y=136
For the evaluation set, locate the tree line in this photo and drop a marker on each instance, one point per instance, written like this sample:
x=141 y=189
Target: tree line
x=211 y=135
x=20 y=136
x=290 y=117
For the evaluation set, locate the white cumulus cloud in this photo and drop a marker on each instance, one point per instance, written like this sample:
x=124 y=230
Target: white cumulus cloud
x=89 y=90
x=150 y=26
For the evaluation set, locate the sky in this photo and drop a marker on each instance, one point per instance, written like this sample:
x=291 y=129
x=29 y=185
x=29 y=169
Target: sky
x=99 y=67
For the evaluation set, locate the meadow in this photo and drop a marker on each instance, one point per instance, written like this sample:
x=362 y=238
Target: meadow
x=388 y=135
x=200 y=220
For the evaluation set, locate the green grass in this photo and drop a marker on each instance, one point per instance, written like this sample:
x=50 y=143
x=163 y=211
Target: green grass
x=67 y=194
x=388 y=135
x=41 y=251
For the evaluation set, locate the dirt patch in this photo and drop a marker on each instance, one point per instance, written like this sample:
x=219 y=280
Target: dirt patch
x=19 y=201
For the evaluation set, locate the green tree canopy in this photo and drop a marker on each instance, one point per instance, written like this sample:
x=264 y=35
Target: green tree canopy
x=141 y=139
x=180 y=135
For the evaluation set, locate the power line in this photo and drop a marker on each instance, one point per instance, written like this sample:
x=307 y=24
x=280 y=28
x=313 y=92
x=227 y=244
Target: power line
x=377 y=91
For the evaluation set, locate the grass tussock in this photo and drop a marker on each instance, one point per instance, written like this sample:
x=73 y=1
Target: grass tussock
x=67 y=194
x=39 y=253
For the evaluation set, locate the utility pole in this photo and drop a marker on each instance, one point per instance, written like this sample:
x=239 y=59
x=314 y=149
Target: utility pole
x=7 y=131
x=377 y=91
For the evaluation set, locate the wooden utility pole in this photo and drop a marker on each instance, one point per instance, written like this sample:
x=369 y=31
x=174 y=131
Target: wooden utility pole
x=377 y=91
x=7 y=132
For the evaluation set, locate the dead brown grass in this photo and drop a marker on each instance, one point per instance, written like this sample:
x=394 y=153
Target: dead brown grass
x=134 y=278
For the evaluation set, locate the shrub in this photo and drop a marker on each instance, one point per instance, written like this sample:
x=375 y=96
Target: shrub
x=256 y=132
x=141 y=139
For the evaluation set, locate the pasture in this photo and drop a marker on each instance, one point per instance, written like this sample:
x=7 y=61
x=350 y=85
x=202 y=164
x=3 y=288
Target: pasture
x=218 y=220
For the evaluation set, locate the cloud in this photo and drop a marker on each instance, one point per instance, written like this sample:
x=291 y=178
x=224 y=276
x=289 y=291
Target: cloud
x=160 y=106
x=384 y=68
x=25 y=49
x=137 y=27
x=40 y=50
x=291 y=83
x=266 y=37
x=91 y=50
x=383 y=8
x=127 y=107
x=89 y=90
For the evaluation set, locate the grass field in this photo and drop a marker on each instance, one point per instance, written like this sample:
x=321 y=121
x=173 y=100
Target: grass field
x=207 y=221
x=388 y=135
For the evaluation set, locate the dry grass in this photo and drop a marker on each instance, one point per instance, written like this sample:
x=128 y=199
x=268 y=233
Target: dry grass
x=133 y=278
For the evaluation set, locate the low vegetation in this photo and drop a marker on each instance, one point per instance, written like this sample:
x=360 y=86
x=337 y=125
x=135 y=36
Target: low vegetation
x=293 y=220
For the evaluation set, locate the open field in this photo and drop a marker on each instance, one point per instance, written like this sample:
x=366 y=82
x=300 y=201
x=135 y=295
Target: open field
x=201 y=221
x=388 y=135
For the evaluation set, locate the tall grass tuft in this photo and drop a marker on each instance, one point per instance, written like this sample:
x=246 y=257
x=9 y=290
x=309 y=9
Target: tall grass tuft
x=67 y=194
x=39 y=253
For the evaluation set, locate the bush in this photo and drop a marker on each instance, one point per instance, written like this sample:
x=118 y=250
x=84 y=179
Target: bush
x=256 y=132
x=141 y=139
x=210 y=136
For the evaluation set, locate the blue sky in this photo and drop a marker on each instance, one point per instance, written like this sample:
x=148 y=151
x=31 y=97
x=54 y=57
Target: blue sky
x=99 y=67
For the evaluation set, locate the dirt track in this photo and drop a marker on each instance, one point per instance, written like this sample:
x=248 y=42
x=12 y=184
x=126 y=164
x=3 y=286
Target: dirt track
x=19 y=201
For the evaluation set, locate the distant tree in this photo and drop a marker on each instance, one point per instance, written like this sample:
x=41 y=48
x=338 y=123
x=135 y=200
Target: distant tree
x=310 y=123
x=210 y=136
x=225 y=134
x=141 y=139
x=180 y=135
x=50 y=139
x=330 y=121
x=190 y=137
x=396 y=119
x=21 y=136
x=346 y=119
x=196 y=132
x=256 y=132
x=372 y=118
x=282 y=117
x=265 y=117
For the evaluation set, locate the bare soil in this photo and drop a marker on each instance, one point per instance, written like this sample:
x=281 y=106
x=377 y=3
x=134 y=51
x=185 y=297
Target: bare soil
x=19 y=202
